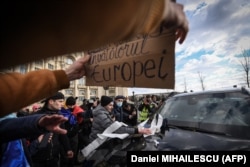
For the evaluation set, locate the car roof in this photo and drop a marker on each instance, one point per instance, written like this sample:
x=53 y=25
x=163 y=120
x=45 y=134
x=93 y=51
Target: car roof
x=219 y=90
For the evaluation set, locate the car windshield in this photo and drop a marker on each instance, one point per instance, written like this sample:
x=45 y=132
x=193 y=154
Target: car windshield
x=203 y=110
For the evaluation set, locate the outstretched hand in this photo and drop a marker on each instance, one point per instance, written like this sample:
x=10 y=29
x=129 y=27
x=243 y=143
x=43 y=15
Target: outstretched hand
x=77 y=69
x=52 y=123
x=146 y=131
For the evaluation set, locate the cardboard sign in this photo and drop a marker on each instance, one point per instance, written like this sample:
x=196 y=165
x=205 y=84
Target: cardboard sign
x=145 y=61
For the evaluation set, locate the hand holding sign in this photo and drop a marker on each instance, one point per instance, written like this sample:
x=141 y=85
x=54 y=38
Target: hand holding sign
x=144 y=61
x=174 y=17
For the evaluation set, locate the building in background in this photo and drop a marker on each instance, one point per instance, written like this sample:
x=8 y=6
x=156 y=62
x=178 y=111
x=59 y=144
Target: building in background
x=77 y=88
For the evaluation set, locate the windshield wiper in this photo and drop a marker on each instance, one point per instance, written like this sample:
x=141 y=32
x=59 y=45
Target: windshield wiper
x=198 y=130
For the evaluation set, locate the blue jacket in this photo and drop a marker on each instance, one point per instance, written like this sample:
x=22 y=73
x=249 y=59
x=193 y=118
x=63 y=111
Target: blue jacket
x=22 y=127
x=13 y=149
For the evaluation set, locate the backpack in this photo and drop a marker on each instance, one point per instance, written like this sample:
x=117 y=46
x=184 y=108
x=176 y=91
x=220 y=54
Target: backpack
x=71 y=125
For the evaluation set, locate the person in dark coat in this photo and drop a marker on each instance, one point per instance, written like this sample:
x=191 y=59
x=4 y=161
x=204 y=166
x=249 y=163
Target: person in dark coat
x=86 y=124
x=72 y=111
x=129 y=110
x=118 y=110
x=102 y=119
x=13 y=131
x=45 y=150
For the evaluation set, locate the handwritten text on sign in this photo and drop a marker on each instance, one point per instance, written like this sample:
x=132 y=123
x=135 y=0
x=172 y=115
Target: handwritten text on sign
x=147 y=61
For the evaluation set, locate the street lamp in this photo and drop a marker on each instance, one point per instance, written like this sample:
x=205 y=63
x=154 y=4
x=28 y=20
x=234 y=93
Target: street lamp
x=133 y=96
x=105 y=88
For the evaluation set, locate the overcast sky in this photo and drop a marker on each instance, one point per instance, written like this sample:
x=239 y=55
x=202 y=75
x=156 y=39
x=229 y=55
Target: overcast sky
x=219 y=33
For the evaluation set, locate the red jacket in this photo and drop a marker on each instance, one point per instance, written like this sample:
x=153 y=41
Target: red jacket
x=78 y=111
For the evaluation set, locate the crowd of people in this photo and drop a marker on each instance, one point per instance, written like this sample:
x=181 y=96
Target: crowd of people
x=38 y=30
x=84 y=122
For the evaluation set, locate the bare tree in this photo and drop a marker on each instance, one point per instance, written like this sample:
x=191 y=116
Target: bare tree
x=245 y=63
x=201 y=80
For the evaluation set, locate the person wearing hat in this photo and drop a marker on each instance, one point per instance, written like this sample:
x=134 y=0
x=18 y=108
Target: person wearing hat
x=14 y=151
x=24 y=37
x=86 y=124
x=45 y=150
x=76 y=110
x=102 y=119
x=118 y=110
x=146 y=108
x=74 y=113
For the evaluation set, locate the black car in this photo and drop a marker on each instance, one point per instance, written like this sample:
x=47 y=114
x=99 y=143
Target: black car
x=206 y=120
x=215 y=120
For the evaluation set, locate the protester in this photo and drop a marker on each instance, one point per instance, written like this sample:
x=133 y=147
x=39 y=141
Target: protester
x=45 y=150
x=44 y=82
x=74 y=113
x=28 y=37
x=131 y=119
x=29 y=34
x=118 y=110
x=61 y=27
x=14 y=152
x=84 y=104
x=31 y=125
x=154 y=100
x=13 y=132
x=102 y=119
x=76 y=110
x=86 y=124
x=146 y=109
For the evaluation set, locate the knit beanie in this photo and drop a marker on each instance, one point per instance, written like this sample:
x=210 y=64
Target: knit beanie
x=70 y=101
x=56 y=96
x=105 y=100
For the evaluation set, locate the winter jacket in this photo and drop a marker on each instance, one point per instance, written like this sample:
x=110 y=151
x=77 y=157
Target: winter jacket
x=40 y=30
x=22 y=127
x=78 y=112
x=102 y=120
x=41 y=151
x=13 y=146
x=119 y=114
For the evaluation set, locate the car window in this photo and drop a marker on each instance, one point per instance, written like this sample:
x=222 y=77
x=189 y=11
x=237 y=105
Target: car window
x=229 y=108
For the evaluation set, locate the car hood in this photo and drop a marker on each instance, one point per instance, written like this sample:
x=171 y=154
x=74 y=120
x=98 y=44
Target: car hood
x=179 y=139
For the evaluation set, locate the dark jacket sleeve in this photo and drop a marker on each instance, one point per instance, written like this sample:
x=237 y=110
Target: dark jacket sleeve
x=21 y=127
x=127 y=129
x=107 y=121
x=151 y=109
x=64 y=140
x=140 y=107
x=125 y=115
